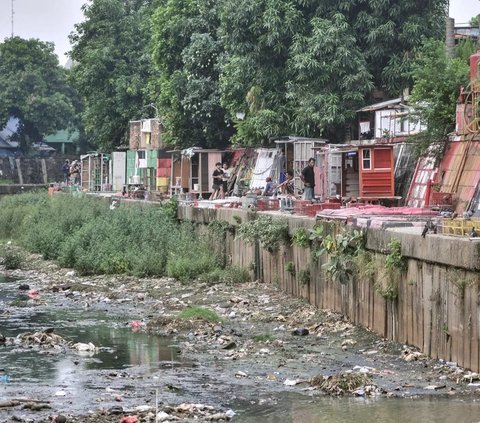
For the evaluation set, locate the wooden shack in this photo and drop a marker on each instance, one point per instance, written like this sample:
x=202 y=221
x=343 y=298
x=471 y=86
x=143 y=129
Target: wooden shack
x=192 y=169
x=147 y=162
x=95 y=172
x=360 y=171
x=294 y=153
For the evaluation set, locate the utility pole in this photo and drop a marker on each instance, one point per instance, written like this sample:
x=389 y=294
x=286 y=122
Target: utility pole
x=13 y=13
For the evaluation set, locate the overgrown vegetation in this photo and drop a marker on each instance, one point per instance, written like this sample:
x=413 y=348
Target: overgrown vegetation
x=192 y=313
x=271 y=232
x=304 y=276
x=84 y=234
x=301 y=238
x=290 y=267
x=340 y=249
x=230 y=275
x=11 y=257
x=390 y=275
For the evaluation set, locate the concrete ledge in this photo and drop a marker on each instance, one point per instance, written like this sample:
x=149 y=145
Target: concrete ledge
x=441 y=249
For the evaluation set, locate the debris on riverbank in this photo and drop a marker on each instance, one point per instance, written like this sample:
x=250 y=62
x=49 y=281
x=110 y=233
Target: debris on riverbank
x=232 y=343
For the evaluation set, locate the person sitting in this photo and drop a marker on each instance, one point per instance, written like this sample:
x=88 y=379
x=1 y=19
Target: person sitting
x=269 y=188
x=288 y=185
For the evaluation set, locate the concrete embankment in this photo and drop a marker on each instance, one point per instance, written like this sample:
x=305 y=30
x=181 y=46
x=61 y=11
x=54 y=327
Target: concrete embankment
x=436 y=302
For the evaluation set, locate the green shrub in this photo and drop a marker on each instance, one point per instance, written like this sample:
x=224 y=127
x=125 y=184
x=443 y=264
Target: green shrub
x=290 y=267
x=301 y=238
x=230 y=275
x=271 y=232
x=199 y=313
x=84 y=234
x=11 y=257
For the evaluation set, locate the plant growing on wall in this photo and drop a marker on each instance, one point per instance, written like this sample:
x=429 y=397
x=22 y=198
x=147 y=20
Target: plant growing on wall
x=301 y=238
x=341 y=248
x=304 y=276
x=290 y=267
x=269 y=231
x=391 y=273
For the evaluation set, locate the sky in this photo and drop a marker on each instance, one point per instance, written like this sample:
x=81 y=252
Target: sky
x=53 y=20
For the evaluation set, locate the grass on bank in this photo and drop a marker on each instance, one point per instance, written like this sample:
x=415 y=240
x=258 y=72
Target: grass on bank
x=84 y=234
x=199 y=313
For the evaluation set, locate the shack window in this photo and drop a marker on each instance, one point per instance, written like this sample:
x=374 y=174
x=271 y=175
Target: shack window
x=382 y=159
x=367 y=158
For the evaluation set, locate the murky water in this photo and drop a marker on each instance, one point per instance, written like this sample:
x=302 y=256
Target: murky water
x=298 y=409
x=44 y=374
x=121 y=347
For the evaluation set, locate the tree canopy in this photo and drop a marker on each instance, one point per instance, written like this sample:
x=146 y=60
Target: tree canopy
x=112 y=68
x=34 y=89
x=437 y=81
x=298 y=67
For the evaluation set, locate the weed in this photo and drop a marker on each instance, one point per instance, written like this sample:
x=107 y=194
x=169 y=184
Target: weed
x=230 y=275
x=199 y=313
x=391 y=274
x=304 y=276
x=12 y=257
x=290 y=267
x=237 y=219
x=301 y=238
x=265 y=337
x=341 y=249
x=394 y=259
x=365 y=265
x=18 y=302
x=220 y=227
x=271 y=232
x=461 y=280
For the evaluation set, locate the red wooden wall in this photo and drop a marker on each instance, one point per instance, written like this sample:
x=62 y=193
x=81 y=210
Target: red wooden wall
x=378 y=180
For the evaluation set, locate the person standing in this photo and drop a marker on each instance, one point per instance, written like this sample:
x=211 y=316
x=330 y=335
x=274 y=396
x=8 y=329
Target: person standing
x=308 y=178
x=217 y=181
x=66 y=171
x=225 y=177
x=75 y=172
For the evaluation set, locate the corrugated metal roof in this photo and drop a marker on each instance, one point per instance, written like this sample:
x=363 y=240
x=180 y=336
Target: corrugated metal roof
x=382 y=105
x=460 y=172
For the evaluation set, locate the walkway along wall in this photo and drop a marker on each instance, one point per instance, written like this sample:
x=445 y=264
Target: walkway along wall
x=437 y=308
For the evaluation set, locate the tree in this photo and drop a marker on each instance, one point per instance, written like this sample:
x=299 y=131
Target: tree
x=311 y=63
x=329 y=78
x=112 y=67
x=186 y=55
x=34 y=89
x=437 y=81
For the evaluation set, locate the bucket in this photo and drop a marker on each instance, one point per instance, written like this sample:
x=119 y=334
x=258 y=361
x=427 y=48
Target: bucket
x=195 y=187
x=163 y=184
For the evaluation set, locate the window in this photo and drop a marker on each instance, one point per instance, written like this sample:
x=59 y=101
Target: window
x=382 y=159
x=367 y=158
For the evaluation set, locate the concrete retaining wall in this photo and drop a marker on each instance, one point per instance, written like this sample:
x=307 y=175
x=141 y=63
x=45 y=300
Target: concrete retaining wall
x=437 y=308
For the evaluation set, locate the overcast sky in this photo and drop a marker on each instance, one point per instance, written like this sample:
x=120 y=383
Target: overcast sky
x=53 y=20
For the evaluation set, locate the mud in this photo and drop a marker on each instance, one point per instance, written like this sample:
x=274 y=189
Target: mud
x=267 y=353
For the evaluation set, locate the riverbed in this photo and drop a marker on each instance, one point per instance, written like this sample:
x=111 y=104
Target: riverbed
x=255 y=364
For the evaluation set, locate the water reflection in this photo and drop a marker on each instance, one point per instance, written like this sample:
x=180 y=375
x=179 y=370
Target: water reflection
x=120 y=347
